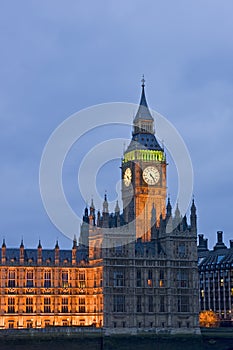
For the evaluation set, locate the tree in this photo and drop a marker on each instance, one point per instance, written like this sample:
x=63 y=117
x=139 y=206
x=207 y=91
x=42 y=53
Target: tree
x=208 y=319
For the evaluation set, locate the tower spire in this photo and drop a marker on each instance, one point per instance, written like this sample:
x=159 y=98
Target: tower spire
x=143 y=113
x=143 y=80
x=143 y=101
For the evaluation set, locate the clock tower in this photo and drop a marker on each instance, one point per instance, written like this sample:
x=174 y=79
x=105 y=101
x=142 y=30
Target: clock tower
x=144 y=174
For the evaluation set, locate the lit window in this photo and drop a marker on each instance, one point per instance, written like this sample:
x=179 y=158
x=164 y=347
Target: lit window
x=47 y=279
x=11 y=305
x=82 y=305
x=11 y=279
x=47 y=305
x=82 y=283
x=29 y=277
x=64 y=306
x=161 y=278
x=149 y=283
x=149 y=280
x=29 y=305
x=65 y=279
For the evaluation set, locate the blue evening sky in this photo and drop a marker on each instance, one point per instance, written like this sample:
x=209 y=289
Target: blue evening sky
x=58 y=57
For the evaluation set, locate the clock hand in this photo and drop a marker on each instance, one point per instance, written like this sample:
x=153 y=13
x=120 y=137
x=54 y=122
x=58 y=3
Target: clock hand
x=152 y=176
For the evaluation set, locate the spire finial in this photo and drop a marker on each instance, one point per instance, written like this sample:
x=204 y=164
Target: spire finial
x=39 y=244
x=143 y=81
x=57 y=246
x=3 y=243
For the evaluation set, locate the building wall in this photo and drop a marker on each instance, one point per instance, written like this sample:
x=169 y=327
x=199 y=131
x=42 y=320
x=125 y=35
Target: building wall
x=38 y=296
x=147 y=290
x=216 y=277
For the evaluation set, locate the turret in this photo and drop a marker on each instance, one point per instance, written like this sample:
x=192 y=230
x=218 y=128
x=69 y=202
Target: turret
x=117 y=215
x=169 y=226
x=57 y=249
x=39 y=253
x=153 y=216
x=92 y=214
x=177 y=218
x=98 y=219
x=74 y=250
x=193 y=218
x=21 y=253
x=84 y=230
x=105 y=212
x=86 y=216
x=168 y=209
x=184 y=223
x=3 y=252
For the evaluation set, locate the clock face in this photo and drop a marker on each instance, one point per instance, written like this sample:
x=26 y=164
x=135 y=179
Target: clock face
x=127 y=177
x=151 y=175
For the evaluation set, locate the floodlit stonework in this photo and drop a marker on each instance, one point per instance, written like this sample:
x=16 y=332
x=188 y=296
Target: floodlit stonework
x=130 y=272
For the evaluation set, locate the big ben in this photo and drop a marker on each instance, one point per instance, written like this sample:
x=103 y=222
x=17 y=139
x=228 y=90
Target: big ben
x=144 y=174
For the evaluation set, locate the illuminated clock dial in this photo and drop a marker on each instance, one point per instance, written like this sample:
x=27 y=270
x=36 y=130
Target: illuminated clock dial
x=151 y=175
x=127 y=177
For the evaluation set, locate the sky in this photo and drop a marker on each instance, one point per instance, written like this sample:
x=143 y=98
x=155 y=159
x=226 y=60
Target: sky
x=59 y=57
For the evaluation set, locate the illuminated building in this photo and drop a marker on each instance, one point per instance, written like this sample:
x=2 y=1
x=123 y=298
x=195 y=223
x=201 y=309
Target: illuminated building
x=131 y=271
x=42 y=288
x=216 y=277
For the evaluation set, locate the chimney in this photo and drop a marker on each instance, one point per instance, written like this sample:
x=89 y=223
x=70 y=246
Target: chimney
x=219 y=236
x=219 y=244
x=200 y=238
x=203 y=243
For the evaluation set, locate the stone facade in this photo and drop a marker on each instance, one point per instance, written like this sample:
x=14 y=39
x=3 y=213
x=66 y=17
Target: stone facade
x=41 y=288
x=132 y=271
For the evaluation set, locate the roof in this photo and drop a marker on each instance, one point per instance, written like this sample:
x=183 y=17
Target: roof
x=215 y=259
x=143 y=109
x=144 y=141
x=48 y=256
